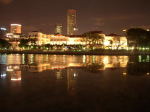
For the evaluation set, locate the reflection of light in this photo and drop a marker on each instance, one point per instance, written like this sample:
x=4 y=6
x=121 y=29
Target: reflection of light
x=75 y=75
x=3 y=75
x=23 y=59
x=105 y=60
x=84 y=59
x=124 y=30
x=58 y=75
x=9 y=70
x=148 y=73
x=16 y=67
x=124 y=73
x=13 y=79
x=57 y=67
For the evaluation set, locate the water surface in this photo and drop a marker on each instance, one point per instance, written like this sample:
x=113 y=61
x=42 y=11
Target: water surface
x=67 y=83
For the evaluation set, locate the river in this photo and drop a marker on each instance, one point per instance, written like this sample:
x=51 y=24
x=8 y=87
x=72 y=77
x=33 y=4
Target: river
x=68 y=83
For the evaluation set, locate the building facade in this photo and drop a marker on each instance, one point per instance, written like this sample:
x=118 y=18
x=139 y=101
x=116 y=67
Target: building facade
x=71 y=22
x=111 y=41
x=114 y=41
x=58 y=29
x=15 y=28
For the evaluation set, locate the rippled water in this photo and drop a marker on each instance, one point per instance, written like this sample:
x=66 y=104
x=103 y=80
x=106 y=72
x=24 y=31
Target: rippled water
x=65 y=83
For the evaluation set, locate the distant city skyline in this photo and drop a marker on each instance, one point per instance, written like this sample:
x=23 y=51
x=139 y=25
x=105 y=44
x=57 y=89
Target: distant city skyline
x=102 y=15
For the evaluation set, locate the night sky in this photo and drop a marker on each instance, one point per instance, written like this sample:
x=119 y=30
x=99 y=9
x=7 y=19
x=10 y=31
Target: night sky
x=110 y=16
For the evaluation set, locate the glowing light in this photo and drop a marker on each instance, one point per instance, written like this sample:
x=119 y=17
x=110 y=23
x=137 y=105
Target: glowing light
x=106 y=43
x=75 y=75
x=105 y=60
x=124 y=74
x=4 y=29
x=13 y=79
x=16 y=25
x=3 y=75
x=124 y=30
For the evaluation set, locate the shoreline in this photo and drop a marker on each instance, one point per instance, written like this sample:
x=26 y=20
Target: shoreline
x=103 y=52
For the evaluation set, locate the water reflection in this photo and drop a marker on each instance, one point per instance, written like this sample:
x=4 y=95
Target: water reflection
x=40 y=63
x=15 y=64
x=139 y=65
x=64 y=78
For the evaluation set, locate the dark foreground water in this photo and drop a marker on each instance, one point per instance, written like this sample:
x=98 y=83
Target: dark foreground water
x=60 y=83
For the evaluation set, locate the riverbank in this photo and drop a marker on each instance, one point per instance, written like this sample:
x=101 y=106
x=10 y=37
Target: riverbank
x=97 y=52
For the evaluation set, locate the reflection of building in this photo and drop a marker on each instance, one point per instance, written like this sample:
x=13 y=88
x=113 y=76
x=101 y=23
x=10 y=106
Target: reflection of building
x=71 y=81
x=71 y=22
x=58 y=29
x=15 y=72
x=39 y=67
x=15 y=28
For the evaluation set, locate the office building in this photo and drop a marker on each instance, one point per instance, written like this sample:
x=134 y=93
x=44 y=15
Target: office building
x=15 y=28
x=58 y=29
x=71 y=22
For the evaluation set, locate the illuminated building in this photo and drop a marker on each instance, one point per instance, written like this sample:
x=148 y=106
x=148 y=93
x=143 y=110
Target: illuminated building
x=58 y=29
x=40 y=38
x=71 y=22
x=15 y=28
x=111 y=41
x=58 y=40
x=114 y=41
x=14 y=71
x=13 y=36
x=76 y=40
x=14 y=39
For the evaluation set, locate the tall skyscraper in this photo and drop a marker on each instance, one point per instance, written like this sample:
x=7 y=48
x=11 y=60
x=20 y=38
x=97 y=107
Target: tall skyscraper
x=15 y=28
x=58 y=29
x=71 y=22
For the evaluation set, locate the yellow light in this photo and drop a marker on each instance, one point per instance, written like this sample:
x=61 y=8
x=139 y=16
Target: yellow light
x=106 y=43
x=14 y=79
x=124 y=74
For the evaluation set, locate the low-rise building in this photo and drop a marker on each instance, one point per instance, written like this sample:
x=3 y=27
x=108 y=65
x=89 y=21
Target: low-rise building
x=114 y=41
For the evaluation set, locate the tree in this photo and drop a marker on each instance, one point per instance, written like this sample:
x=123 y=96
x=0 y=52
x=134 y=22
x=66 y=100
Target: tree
x=4 y=44
x=138 y=37
x=24 y=42
x=93 y=39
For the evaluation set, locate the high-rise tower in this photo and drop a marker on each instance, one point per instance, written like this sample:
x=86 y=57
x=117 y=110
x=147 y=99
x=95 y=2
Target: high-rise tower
x=58 y=29
x=71 y=22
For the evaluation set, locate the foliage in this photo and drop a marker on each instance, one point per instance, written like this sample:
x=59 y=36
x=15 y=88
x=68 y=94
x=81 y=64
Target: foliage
x=25 y=42
x=93 y=39
x=138 y=37
x=4 y=44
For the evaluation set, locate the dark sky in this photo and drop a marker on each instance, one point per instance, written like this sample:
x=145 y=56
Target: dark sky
x=106 y=15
